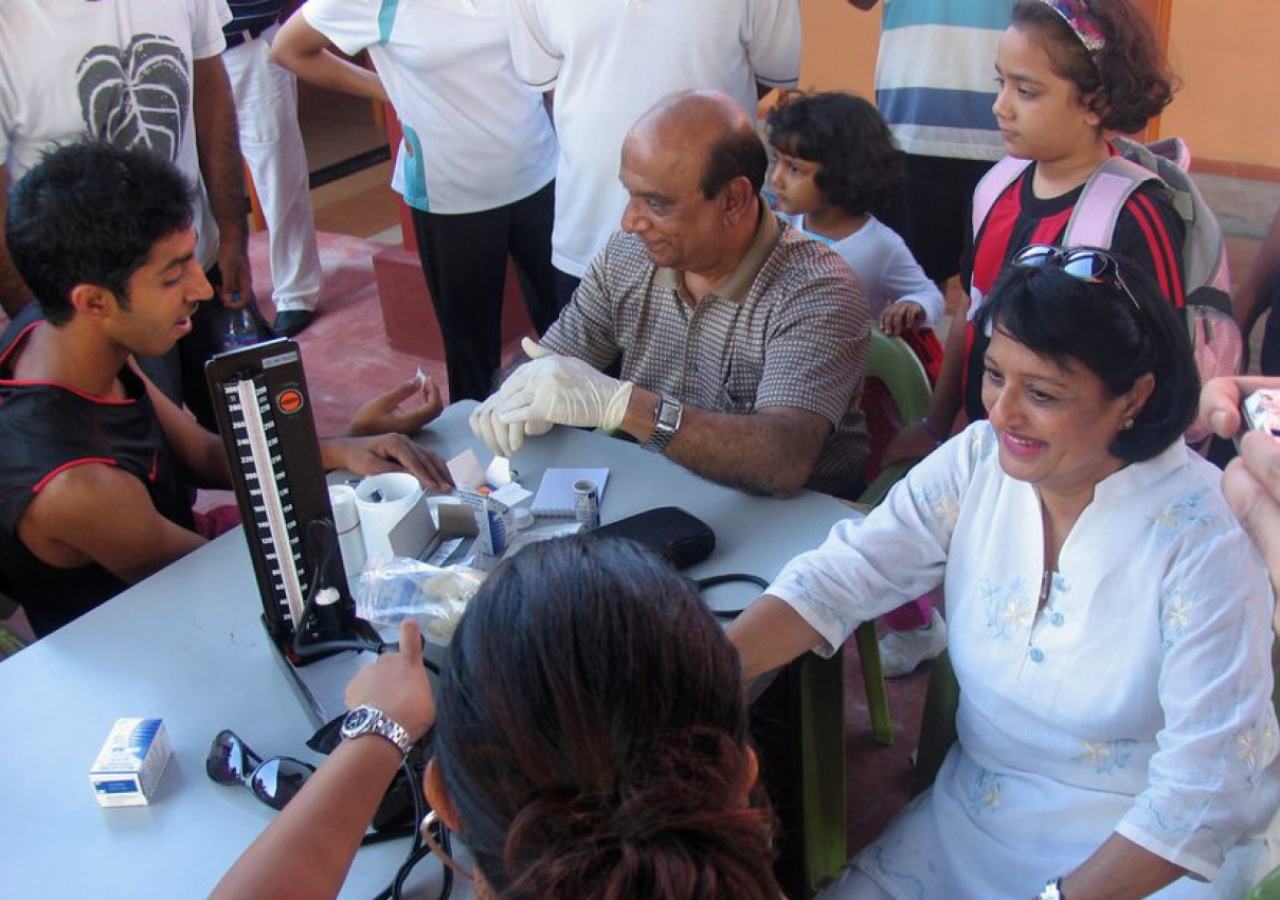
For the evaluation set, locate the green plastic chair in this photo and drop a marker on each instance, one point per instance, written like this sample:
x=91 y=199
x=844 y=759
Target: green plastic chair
x=937 y=722
x=897 y=367
x=824 y=793
x=894 y=364
x=10 y=641
x=1266 y=889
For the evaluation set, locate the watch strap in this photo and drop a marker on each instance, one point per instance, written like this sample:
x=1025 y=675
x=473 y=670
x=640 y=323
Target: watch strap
x=666 y=423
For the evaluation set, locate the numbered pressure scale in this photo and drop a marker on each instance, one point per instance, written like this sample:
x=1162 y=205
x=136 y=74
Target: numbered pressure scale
x=264 y=416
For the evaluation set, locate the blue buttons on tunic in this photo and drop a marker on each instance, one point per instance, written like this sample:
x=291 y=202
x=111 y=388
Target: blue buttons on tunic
x=1036 y=654
x=1056 y=620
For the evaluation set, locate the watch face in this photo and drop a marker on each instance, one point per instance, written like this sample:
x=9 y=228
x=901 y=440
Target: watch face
x=356 y=720
x=669 y=414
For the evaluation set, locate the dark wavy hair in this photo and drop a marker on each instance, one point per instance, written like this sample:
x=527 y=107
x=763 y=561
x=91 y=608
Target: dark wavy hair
x=90 y=213
x=1096 y=325
x=1127 y=82
x=862 y=168
x=592 y=733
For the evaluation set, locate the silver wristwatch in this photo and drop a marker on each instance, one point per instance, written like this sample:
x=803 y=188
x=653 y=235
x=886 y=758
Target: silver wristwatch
x=371 y=720
x=666 y=424
x=1052 y=890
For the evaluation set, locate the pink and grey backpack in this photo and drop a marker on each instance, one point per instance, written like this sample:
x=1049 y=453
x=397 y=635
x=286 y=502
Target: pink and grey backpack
x=1215 y=337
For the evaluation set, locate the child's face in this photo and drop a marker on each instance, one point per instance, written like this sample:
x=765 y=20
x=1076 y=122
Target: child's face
x=1039 y=112
x=794 y=183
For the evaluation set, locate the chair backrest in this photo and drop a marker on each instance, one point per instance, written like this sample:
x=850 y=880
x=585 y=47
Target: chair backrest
x=937 y=722
x=1266 y=889
x=10 y=641
x=893 y=363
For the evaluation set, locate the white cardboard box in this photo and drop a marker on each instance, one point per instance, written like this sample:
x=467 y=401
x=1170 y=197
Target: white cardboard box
x=129 y=766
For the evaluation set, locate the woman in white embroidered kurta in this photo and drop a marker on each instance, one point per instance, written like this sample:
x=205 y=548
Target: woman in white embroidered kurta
x=1109 y=620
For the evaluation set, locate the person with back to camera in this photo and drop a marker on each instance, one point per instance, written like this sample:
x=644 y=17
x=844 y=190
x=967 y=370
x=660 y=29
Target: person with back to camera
x=1070 y=72
x=1108 y=616
x=476 y=165
x=615 y=723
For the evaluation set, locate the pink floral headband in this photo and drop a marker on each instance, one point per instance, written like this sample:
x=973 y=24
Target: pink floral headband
x=1082 y=22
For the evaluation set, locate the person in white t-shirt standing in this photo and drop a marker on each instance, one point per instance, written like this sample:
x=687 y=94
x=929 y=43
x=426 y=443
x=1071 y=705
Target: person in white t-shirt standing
x=271 y=141
x=132 y=74
x=477 y=162
x=609 y=61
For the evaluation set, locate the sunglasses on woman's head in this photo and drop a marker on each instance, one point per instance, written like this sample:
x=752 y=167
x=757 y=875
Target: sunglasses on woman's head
x=274 y=781
x=1081 y=263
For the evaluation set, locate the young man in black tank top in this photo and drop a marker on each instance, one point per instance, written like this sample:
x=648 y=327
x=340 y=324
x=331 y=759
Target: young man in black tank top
x=93 y=481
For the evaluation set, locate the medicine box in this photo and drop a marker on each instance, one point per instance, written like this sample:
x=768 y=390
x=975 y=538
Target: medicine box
x=130 y=764
x=494 y=521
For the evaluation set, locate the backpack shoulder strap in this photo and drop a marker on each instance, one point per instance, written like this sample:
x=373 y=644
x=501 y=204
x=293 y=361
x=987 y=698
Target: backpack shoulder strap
x=998 y=178
x=1093 y=221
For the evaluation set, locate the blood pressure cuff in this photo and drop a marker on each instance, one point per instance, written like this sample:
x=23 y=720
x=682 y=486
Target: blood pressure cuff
x=679 y=537
x=399 y=808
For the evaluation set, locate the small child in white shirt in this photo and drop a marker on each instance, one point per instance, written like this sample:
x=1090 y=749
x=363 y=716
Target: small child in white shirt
x=835 y=167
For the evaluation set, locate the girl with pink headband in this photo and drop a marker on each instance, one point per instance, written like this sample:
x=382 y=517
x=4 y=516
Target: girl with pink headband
x=1071 y=73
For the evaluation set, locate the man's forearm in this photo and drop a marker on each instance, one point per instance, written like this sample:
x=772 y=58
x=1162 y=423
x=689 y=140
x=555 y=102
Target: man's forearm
x=218 y=143
x=14 y=292
x=764 y=452
x=306 y=52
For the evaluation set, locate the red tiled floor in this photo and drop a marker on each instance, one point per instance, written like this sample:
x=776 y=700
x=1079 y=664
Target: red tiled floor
x=345 y=351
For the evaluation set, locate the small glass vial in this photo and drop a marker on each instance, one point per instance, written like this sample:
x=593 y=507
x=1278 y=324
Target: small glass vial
x=586 y=504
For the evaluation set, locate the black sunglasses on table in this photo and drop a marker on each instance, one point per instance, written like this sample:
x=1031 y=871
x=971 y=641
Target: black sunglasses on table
x=274 y=781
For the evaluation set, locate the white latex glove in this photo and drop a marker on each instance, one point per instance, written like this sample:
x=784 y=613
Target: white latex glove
x=504 y=439
x=562 y=390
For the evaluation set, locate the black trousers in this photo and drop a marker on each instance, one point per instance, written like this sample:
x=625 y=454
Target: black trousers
x=206 y=340
x=464 y=257
x=932 y=210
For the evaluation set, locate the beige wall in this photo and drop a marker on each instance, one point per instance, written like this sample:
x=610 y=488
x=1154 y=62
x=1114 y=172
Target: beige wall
x=840 y=45
x=1227 y=53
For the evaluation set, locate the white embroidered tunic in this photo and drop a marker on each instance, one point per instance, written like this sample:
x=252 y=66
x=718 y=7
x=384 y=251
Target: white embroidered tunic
x=1138 y=700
